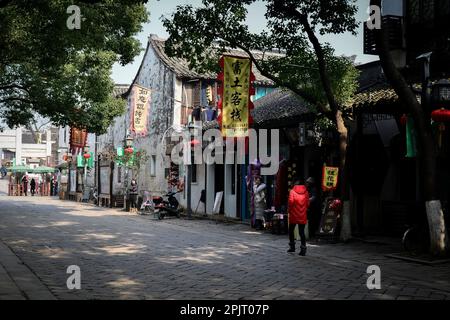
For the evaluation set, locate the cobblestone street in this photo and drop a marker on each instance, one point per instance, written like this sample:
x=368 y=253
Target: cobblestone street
x=125 y=256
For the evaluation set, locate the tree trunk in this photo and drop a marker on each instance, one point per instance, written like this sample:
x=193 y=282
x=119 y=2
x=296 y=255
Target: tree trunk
x=346 y=231
x=426 y=144
x=339 y=122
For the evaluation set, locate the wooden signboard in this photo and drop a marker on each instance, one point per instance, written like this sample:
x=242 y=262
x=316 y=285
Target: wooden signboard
x=329 y=221
x=218 y=202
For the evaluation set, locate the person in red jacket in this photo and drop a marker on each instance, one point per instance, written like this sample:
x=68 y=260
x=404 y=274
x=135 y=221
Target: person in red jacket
x=298 y=204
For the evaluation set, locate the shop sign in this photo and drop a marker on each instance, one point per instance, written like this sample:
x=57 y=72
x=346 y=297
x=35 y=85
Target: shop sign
x=140 y=107
x=328 y=224
x=330 y=178
x=235 y=95
x=78 y=139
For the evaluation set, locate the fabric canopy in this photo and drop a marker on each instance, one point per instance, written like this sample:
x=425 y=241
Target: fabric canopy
x=19 y=168
x=43 y=169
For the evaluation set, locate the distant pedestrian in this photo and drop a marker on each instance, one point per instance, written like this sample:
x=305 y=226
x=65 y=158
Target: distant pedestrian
x=298 y=204
x=55 y=186
x=260 y=202
x=33 y=186
x=25 y=184
x=133 y=195
x=3 y=171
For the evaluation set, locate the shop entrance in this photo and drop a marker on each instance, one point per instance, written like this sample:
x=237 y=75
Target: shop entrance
x=219 y=172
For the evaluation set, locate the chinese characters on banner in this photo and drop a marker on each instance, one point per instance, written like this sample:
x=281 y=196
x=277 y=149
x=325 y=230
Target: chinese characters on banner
x=330 y=178
x=140 y=103
x=78 y=139
x=235 y=99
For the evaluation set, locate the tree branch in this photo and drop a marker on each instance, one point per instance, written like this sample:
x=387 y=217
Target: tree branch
x=16 y=99
x=302 y=93
x=292 y=12
x=426 y=148
x=13 y=86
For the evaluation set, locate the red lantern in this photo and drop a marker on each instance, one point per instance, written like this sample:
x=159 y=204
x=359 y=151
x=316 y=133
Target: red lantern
x=129 y=150
x=65 y=157
x=403 y=120
x=441 y=115
x=87 y=155
x=335 y=204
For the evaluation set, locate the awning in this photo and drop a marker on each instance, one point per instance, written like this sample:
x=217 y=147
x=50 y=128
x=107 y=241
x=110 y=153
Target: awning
x=43 y=169
x=19 y=168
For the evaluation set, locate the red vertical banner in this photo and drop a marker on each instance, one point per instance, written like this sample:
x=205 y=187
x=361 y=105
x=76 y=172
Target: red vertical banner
x=78 y=138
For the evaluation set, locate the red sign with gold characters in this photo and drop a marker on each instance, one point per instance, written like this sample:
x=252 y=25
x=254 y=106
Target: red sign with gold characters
x=235 y=92
x=330 y=178
x=78 y=139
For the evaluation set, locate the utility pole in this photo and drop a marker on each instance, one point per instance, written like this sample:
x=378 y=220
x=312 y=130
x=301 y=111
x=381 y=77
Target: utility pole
x=189 y=175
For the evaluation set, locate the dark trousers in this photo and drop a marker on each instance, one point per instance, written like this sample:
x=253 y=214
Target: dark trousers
x=301 y=231
x=133 y=201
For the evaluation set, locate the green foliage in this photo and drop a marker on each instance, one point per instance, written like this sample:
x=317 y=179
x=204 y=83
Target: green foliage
x=201 y=35
x=64 y=74
x=132 y=160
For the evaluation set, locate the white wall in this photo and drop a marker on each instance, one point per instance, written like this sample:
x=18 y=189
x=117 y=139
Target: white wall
x=8 y=139
x=178 y=98
x=12 y=140
x=153 y=74
x=210 y=191
x=230 y=199
x=19 y=156
x=34 y=150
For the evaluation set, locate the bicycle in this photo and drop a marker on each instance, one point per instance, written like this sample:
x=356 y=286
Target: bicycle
x=93 y=196
x=147 y=206
x=415 y=240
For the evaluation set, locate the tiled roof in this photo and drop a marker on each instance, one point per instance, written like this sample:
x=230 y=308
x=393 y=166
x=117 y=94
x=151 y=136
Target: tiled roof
x=374 y=89
x=280 y=104
x=181 y=67
x=377 y=94
x=120 y=89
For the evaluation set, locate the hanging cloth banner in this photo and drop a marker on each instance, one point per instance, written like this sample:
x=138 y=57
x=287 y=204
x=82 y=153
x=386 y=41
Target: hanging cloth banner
x=330 y=178
x=140 y=107
x=411 y=147
x=78 y=138
x=235 y=92
x=80 y=161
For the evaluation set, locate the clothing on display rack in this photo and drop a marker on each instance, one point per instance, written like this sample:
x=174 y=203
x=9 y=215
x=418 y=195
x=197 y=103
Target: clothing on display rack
x=196 y=113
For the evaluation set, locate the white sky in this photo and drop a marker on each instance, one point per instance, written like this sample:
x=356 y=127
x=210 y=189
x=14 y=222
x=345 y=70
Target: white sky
x=345 y=44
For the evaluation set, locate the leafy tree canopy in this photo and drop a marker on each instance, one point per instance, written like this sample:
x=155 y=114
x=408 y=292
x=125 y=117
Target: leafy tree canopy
x=60 y=73
x=202 y=34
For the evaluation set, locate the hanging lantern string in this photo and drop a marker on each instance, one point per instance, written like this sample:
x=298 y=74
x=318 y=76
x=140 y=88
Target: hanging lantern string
x=441 y=115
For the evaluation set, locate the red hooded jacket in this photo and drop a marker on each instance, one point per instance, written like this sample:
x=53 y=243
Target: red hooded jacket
x=298 y=205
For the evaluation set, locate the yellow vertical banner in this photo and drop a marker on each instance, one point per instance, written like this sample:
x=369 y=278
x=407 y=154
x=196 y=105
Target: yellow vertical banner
x=141 y=102
x=236 y=96
x=330 y=178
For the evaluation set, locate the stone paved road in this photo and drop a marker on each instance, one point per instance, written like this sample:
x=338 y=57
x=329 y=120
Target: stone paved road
x=125 y=256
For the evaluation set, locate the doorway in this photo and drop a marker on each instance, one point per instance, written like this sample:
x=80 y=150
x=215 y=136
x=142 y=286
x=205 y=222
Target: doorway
x=219 y=172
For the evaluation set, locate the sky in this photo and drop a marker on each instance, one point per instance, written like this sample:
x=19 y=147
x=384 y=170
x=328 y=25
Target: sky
x=345 y=44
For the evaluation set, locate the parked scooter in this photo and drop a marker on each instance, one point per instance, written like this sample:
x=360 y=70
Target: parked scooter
x=169 y=207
